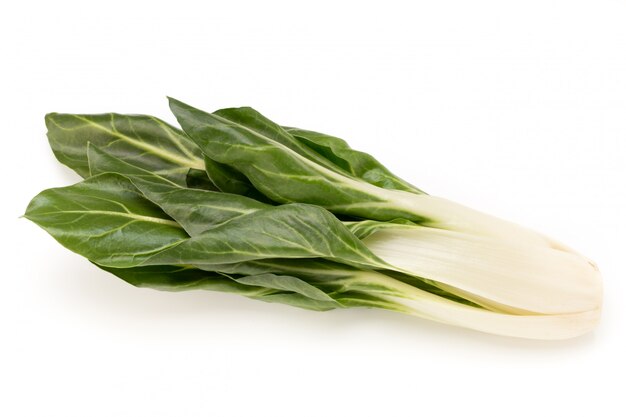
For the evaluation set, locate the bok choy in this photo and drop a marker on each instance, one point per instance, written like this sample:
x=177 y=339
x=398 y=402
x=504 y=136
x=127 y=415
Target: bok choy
x=235 y=202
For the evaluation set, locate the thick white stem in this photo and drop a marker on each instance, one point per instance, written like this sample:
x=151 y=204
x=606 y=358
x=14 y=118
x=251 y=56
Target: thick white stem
x=545 y=327
x=430 y=306
x=446 y=214
x=518 y=275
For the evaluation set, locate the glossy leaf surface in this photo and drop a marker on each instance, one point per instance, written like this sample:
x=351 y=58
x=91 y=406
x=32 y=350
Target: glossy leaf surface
x=356 y=163
x=198 y=178
x=106 y=219
x=287 y=231
x=144 y=141
x=286 y=283
x=268 y=287
x=278 y=170
x=196 y=210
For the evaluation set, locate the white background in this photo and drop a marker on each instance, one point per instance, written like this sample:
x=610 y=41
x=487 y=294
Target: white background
x=514 y=108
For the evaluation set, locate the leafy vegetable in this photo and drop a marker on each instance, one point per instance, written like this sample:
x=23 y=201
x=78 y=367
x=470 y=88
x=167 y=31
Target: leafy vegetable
x=237 y=203
x=255 y=146
x=106 y=219
x=144 y=141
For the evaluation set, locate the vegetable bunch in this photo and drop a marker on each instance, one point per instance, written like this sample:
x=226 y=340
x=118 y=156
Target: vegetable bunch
x=235 y=202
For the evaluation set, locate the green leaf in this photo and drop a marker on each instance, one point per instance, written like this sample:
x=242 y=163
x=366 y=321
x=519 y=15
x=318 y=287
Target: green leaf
x=181 y=278
x=358 y=164
x=286 y=283
x=275 y=164
x=328 y=151
x=198 y=178
x=311 y=269
x=196 y=210
x=277 y=289
x=364 y=228
x=144 y=141
x=286 y=171
x=276 y=170
x=287 y=231
x=227 y=179
x=300 y=301
x=254 y=122
x=106 y=219
x=351 y=299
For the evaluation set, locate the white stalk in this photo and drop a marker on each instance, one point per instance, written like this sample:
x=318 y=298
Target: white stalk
x=443 y=213
x=494 y=273
x=545 y=327
x=430 y=306
x=446 y=214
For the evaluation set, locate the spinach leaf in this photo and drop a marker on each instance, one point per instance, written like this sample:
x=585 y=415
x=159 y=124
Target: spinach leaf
x=281 y=167
x=287 y=231
x=198 y=178
x=106 y=219
x=144 y=141
x=196 y=210
x=267 y=287
x=180 y=278
x=328 y=151
x=358 y=164
x=286 y=283
x=227 y=179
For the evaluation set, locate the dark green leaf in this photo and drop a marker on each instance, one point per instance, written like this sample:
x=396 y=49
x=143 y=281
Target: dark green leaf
x=106 y=219
x=254 y=122
x=275 y=164
x=287 y=231
x=144 y=141
x=286 y=283
x=227 y=179
x=299 y=300
x=279 y=289
x=198 y=178
x=311 y=269
x=196 y=210
x=357 y=164
x=364 y=228
x=181 y=278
